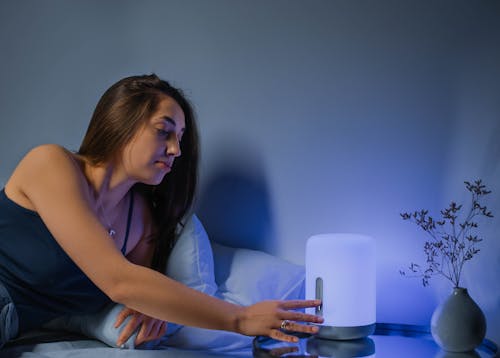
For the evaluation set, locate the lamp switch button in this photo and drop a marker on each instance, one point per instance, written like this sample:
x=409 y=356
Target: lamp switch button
x=319 y=296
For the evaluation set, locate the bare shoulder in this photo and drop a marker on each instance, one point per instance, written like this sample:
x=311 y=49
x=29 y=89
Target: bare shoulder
x=47 y=159
x=47 y=162
x=48 y=154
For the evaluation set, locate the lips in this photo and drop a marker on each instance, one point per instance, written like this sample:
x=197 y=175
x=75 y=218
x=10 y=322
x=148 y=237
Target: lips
x=163 y=165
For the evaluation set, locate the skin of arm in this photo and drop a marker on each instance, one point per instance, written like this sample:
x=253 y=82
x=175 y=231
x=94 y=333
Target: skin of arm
x=47 y=176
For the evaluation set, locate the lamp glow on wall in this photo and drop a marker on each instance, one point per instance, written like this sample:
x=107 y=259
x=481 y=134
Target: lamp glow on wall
x=340 y=270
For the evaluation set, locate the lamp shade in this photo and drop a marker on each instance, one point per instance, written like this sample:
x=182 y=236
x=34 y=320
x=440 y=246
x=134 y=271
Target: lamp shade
x=340 y=270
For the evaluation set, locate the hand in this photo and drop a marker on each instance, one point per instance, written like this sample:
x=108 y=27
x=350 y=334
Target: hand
x=265 y=319
x=151 y=328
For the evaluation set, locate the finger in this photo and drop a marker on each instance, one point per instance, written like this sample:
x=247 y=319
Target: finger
x=144 y=331
x=302 y=328
x=163 y=329
x=158 y=330
x=281 y=336
x=294 y=304
x=299 y=316
x=120 y=317
x=129 y=329
x=155 y=330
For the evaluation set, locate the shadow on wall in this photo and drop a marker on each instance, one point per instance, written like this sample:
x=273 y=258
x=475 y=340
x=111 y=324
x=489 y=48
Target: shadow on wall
x=234 y=207
x=491 y=161
x=487 y=288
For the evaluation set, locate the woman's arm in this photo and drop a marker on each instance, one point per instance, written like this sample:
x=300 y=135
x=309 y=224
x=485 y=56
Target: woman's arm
x=49 y=178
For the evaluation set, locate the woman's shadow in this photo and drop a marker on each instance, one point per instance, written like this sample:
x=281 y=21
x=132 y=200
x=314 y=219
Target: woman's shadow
x=234 y=203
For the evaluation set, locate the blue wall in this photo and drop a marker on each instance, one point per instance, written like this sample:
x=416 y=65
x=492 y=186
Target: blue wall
x=318 y=116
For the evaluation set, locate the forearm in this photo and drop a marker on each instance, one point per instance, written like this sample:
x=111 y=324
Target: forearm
x=156 y=295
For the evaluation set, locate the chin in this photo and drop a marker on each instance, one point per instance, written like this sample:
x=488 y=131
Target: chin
x=155 y=180
x=152 y=181
x=152 y=177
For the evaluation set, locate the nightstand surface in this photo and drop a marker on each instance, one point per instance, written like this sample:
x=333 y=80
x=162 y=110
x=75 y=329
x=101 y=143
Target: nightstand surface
x=389 y=340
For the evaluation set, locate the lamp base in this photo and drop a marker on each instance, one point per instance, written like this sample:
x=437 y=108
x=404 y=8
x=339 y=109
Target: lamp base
x=345 y=333
x=352 y=348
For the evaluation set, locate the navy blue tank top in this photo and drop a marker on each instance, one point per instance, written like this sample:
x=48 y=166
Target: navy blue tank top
x=43 y=281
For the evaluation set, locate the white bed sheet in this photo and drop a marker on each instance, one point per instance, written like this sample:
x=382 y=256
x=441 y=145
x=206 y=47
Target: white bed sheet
x=45 y=343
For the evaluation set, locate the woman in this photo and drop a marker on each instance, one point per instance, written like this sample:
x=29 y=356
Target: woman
x=80 y=229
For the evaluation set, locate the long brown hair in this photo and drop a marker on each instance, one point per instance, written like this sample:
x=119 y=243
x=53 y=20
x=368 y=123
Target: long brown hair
x=122 y=109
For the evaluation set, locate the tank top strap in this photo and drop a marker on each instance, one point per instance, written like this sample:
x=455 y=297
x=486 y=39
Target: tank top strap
x=129 y=220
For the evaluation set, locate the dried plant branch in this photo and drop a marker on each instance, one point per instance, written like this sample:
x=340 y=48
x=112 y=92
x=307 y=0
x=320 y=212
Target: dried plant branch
x=453 y=242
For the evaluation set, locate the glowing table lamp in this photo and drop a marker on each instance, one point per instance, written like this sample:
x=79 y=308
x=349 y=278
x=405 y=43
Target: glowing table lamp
x=340 y=270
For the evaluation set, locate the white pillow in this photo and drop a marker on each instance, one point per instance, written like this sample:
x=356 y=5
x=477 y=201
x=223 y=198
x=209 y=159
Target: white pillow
x=248 y=276
x=98 y=325
x=191 y=261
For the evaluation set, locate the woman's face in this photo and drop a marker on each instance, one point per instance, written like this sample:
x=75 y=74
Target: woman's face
x=149 y=156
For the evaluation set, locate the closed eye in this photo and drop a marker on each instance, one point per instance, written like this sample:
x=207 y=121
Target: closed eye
x=162 y=132
x=166 y=134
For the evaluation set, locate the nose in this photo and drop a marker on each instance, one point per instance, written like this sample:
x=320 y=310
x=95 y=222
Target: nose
x=173 y=147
